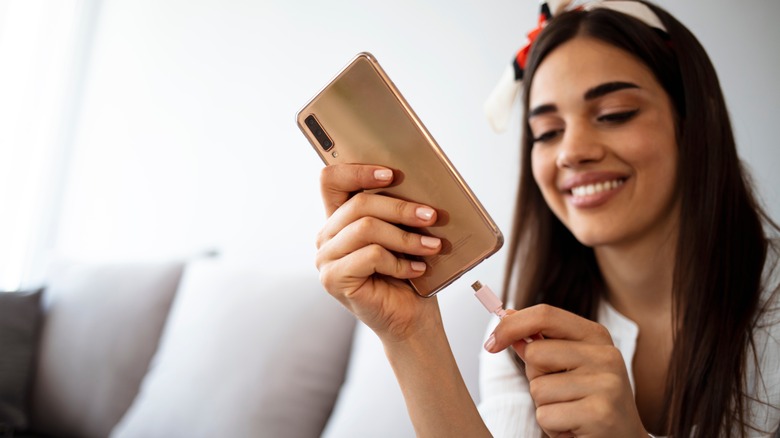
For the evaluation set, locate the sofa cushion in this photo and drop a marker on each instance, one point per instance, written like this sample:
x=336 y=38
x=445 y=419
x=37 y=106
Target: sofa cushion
x=19 y=321
x=245 y=353
x=101 y=329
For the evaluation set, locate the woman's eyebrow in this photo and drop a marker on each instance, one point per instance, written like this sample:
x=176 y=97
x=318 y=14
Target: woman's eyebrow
x=593 y=93
x=606 y=88
x=542 y=109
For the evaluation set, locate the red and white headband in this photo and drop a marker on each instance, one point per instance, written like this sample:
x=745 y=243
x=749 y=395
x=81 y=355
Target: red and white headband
x=498 y=106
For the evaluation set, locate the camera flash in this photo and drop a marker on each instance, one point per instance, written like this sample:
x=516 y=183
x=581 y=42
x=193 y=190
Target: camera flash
x=335 y=154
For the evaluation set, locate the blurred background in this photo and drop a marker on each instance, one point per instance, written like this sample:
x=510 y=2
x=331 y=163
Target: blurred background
x=157 y=129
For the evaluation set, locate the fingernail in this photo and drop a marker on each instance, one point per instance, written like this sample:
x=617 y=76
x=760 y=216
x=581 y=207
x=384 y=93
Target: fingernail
x=424 y=213
x=383 y=174
x=430 y=242
x=528 y=340
x=418 y=266
x=490 y=342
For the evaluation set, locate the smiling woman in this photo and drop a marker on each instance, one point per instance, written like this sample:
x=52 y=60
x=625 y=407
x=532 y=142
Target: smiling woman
x=647 y=289
x=630 y=174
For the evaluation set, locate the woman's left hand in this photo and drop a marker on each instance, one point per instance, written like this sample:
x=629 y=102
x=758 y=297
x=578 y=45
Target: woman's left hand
x=578 y=379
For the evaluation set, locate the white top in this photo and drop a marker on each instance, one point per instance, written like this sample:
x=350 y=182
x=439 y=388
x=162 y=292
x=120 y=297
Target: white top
x=508 y=410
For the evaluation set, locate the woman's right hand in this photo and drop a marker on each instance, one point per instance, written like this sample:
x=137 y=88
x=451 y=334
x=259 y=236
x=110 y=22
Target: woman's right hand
x=357 y=250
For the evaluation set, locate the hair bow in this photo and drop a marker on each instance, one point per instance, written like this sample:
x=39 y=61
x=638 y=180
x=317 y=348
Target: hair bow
x=498 y=106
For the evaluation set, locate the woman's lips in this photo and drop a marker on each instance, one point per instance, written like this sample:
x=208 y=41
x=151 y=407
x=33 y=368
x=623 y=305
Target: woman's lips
x=594 y=193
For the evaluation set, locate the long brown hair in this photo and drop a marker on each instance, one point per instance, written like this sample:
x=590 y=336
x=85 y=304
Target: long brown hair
x=722 y=248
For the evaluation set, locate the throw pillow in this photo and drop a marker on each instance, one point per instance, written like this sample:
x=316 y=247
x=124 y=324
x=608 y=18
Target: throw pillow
x=102 y=325
x=245 y=353
x=19 y=321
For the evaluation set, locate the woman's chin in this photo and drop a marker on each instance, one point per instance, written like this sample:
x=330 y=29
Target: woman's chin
x=593 y=239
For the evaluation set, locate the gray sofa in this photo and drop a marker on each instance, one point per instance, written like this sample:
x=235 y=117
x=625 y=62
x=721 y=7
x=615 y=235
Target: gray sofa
x=209 y=348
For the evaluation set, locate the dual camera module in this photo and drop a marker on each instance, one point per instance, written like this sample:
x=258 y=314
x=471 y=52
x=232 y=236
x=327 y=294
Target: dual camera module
x=322 y=137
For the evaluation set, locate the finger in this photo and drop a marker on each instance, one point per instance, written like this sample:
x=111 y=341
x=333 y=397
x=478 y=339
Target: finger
x=370 y=230
x=581 y=417
x=339 y=181
x=550 y=322
x=387 y=209
x=342 y=277
x=565 y=387
x=554 y=356
x=552 y=421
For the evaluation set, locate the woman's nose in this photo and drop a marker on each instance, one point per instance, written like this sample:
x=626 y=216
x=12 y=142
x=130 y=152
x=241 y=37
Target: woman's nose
x=580 y=145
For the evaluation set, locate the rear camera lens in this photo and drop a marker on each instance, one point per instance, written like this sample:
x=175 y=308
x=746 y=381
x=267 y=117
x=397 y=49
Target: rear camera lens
x=315 y=128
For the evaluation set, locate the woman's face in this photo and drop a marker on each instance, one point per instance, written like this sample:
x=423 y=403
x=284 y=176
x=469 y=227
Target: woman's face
x=604 y=153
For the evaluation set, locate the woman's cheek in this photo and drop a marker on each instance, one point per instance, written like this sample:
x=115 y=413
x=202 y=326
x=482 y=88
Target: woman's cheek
x=543 y=169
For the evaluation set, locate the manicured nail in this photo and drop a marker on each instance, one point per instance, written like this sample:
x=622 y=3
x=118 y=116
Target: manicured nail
x=383 y=174
x=424 y=213
x=490 y=342
x=430 y=242
x=418 y=266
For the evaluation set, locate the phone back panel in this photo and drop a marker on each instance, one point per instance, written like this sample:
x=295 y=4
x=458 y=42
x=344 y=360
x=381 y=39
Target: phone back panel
x=369 y=122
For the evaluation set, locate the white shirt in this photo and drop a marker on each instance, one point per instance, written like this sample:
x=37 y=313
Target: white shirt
x=508 y=411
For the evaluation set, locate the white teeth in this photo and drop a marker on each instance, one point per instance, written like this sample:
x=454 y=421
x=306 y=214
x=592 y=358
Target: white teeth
x=592 y=189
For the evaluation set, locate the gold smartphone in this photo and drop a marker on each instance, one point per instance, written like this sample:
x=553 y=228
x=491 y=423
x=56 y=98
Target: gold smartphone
x=361 y=117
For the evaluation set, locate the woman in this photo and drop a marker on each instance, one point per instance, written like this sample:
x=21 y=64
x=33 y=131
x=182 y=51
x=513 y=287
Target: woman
x=638 y=255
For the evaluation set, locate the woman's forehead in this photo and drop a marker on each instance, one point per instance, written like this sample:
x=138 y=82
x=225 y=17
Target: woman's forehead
x=582 y=63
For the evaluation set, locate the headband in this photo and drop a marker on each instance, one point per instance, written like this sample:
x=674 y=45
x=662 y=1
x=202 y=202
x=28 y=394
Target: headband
x=498 y=106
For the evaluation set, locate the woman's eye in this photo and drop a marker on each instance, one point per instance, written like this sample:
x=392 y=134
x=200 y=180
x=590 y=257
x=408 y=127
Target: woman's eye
x=547 y=136
x=618 y=117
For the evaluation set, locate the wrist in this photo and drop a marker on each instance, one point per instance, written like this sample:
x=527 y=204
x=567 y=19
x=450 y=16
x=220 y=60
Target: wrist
x=416 y=326
x=426 y=336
